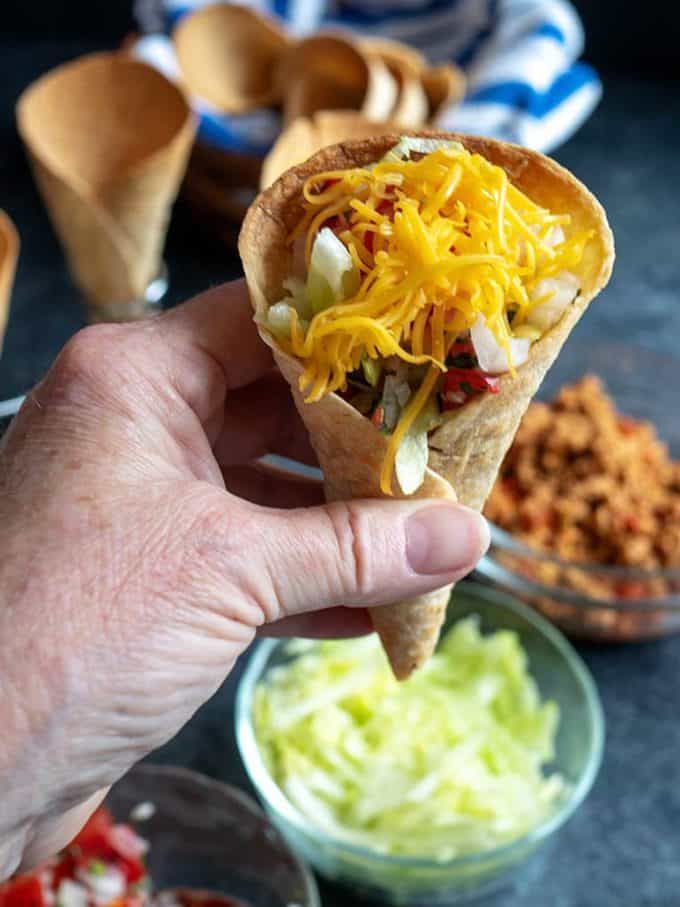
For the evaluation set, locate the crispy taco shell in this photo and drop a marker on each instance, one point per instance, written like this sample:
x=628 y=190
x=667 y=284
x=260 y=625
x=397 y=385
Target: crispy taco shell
x=228 y=56
x=108 y=138
x=467 y=450
x=333 y=71
x=406 y=65
x=307 y=135
x=9 y=253
x=444 y=87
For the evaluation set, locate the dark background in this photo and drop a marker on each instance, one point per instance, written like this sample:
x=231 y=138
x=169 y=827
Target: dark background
x=636 y=48
x=633 y=37
x=622 y=849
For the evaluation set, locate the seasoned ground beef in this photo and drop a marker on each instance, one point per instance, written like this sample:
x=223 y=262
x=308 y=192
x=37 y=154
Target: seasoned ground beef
x=589 y=485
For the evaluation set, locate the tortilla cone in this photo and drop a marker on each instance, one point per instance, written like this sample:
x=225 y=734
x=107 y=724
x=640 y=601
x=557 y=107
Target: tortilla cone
x=9 y=253
x=405 y=64
x=467 y=450
x=108 y=138
x=306 y=136
x=444 y=86
x=334 y=72
x=228 y=55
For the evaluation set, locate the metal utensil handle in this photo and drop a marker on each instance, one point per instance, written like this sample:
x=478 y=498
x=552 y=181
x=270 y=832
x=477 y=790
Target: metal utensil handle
x=9 y=408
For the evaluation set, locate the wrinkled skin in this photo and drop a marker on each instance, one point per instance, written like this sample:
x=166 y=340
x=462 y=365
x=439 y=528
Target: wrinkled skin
x=131 y=578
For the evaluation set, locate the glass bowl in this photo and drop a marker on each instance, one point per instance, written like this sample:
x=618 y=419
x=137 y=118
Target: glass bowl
x=207 y=835
x=621 y=604
x=592 y=601
x=560 y=674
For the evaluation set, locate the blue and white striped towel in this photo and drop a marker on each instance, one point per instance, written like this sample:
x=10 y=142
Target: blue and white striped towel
x=520 y=57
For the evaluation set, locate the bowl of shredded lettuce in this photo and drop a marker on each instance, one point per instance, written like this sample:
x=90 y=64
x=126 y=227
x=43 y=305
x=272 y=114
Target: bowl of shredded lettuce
x=432 y=791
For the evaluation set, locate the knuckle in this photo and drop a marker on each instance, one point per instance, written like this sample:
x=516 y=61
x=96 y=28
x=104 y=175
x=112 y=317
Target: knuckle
x=352 y=535
x=217 y=535
x=218 y=545
x=85 y=359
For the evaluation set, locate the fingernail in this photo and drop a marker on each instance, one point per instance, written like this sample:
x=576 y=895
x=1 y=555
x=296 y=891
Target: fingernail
x=444 y=538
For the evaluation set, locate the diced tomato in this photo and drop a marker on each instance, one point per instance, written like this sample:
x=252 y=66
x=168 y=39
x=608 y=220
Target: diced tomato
x=115 y=844
x=94 y=831
x=64 y=869
x=378 y=416
x=493 y=385
x=93 y=841
x=631 y=589
x=132 y=868
x=457 y=378
x=461 y=352
x=631 y=523
x=385 y=206
x=462 y=347
x=24 y=891
x=462 y=383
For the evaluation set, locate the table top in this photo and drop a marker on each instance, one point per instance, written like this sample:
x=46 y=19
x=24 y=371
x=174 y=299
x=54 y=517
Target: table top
x=623 y=846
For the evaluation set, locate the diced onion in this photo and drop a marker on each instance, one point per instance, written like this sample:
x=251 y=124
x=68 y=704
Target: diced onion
x=71 y=894
x=562 y=291
x=491 y=356
x=105 y=886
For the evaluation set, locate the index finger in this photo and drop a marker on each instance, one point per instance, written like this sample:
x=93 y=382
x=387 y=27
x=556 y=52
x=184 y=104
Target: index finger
x=219 y=323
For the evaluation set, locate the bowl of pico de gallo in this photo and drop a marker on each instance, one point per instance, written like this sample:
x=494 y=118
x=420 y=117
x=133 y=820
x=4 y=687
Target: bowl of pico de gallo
x=169 y=837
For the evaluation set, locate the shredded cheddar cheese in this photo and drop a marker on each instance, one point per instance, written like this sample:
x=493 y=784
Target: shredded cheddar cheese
x=436 y=241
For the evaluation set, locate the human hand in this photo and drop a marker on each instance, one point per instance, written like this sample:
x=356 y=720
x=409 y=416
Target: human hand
x=132 y=578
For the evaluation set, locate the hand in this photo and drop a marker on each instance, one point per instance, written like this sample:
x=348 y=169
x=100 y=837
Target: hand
x=132 y=578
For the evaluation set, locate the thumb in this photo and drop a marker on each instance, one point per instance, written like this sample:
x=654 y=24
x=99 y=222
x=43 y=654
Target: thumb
x=362 y=553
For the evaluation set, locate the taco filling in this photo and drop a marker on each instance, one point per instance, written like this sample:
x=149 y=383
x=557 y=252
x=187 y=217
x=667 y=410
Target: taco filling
x=417 y=283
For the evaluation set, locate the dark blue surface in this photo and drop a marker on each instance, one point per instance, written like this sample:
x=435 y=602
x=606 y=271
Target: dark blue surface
x=623 y=847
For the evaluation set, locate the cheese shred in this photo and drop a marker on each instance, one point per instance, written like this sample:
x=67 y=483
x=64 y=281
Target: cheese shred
x=436 y=241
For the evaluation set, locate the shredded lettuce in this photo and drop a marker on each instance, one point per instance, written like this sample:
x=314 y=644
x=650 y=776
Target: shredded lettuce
x=449 y=763
x=279 y=320
x=332 y=276
x=408 y=144
x=410 y=462
x=372 y=369
x=298 y=297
